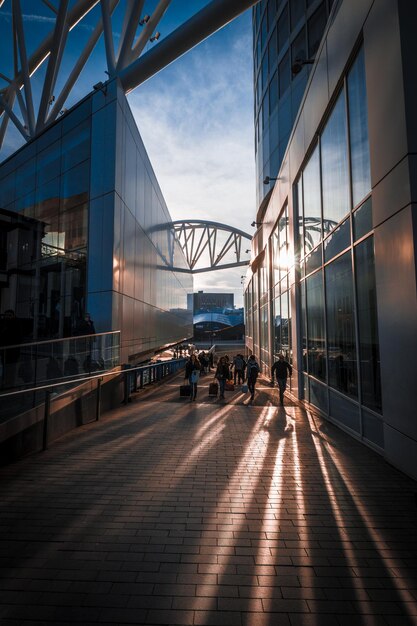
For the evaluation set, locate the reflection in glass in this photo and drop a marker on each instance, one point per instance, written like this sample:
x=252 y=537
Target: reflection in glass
x=337 y=241
x=315 y=28
x=340 y=326
x=368 y=325
x=362 y=220
x=283 y=30
x=314 y=260
x=76 y=146
x=75 y=185
x=312 y=202
x=284 y=74
x=335 y=167
x=316 y=343
x=358 y=127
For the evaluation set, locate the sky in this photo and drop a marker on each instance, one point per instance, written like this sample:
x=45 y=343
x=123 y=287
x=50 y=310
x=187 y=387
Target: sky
x=195 y=116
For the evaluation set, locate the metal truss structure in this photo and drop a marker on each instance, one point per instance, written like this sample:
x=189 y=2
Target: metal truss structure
x=207 y=246
x=17 y=103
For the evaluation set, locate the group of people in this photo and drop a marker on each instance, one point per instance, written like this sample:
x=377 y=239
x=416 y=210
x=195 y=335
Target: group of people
x=242 y=370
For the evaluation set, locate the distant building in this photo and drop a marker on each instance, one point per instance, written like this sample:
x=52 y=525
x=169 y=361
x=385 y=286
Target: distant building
x=204 y=301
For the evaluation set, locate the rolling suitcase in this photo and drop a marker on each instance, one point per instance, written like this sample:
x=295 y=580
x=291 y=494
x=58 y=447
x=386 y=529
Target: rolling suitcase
x=213 y=389
x=185 y=391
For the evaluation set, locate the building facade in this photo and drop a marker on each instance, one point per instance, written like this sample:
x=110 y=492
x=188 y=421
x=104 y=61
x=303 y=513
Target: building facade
x=284 y=31
x=80 y=230
x=332 y=282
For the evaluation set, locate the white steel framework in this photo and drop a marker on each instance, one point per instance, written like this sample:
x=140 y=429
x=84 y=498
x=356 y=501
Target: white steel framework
x=126 y=63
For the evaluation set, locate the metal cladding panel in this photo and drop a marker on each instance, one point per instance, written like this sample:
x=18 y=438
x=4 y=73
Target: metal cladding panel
x=385 y=89
x=397 y=320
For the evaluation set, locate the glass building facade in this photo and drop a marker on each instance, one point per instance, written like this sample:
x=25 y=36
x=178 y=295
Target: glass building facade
x=332 y=282
x=284 y=31
x=84 y=228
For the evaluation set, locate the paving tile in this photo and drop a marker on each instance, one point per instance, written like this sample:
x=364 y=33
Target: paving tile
x=162 y=513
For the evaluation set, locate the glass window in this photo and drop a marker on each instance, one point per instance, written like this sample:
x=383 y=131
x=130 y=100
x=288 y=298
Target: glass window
x=298 y=197
x=284 y=74
x=314 y=260
x=312 y=202
x=297 y=11
x=335 y=167
x=75 y=185
x=272 y=48
x=304 y=324
x=315 y=29
x=298 y=47
x=337 y=241
x=273 y=93
x=341 y=339
x=362 y=220
x=265 y=110
x=277 y=326
x=272 y=11
x=358 y=127
x=264 y=30
x=368 y=325
x=48 y=163
x=283 y=29
x=316 y=343
x=285 y=325
x=265 y=70
x=73 y=227
x=76 y=146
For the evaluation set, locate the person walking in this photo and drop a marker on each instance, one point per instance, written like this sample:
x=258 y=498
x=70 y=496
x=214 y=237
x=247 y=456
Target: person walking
x=252 y=371
x=281 y=369
x=222 y=375
x=239 y=365
x=192 y=372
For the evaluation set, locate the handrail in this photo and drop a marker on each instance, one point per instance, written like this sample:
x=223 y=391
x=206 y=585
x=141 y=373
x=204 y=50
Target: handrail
x=60 y=340
x=128 y=371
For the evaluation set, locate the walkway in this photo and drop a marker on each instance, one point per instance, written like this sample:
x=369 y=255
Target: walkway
x=171 y=512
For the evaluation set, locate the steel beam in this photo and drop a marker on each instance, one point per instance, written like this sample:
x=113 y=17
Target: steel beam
x=195 y=30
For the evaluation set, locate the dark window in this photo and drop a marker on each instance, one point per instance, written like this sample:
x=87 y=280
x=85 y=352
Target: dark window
x=272 y=11
x=316 y=345
x=341 y=340
x=265 y=110
x=315 y=27
x=298 y=47
x=283 y=30
x=337 y=241
x=362 y=220
x=265 y=70
x=297 y=8
x=264 y=30
x=368 y=325
x=272 y=48
x=284 y=74
x=273 y=92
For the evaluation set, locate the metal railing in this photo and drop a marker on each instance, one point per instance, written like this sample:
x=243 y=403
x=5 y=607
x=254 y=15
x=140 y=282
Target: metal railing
x=134 y=379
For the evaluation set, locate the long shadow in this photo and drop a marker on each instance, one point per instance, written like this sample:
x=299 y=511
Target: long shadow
x=247 y=513
x=72 y=537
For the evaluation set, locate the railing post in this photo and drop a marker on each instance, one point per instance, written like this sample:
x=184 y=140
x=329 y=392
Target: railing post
x=46 y=418
x=126 y=390
x=98 y=399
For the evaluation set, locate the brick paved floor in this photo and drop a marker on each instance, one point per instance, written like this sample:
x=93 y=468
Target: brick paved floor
x=207 y=513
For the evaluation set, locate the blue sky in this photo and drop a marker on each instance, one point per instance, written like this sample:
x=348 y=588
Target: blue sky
x=195 y=116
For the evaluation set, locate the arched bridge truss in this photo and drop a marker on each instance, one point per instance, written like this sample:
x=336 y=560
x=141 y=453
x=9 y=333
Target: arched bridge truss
x=207 y=246
x=125 y=62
